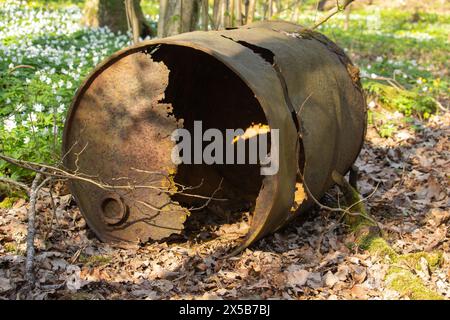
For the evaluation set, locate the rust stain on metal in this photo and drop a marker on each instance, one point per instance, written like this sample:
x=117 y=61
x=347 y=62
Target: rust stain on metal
x=120 y=124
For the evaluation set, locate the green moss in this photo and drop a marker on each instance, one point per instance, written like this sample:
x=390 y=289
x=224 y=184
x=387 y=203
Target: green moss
x=401 y=279
x=13 y=248
x=407 y=284
x=434 y=259
x=96 y=260
x=10 y=247
x=378 y=246
x=369 y=237
x=8 y=202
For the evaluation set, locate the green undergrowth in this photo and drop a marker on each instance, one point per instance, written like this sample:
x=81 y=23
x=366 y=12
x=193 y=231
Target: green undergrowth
x=409 y=103
x=47 y=37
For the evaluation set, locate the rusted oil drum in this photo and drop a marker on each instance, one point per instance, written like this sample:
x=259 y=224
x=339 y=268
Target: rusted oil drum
x=118 y=131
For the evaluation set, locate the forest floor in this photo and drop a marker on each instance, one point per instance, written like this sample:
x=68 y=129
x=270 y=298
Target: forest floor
x=404 y=172
x=312 y=258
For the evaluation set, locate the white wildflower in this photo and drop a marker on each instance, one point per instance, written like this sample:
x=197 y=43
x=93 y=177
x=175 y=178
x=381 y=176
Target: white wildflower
x=10 y=124
x=38 y=107
x=33 y=117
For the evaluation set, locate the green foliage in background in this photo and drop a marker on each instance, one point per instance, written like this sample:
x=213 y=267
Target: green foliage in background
x=59 y=52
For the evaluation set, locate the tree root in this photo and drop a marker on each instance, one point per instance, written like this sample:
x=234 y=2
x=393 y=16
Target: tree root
x=403 y=268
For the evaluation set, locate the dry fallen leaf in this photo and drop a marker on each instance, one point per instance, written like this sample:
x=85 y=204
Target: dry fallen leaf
x=73 y=282
x=330 y=279
x=296 y=276
x=5 y=285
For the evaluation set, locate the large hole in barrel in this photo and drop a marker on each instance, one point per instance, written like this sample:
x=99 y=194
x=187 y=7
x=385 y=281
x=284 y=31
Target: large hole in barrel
x=201 y=88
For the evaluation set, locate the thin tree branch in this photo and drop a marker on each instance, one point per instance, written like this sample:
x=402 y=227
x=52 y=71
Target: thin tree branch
x=31 y=229
x=332 y=12
x=15 y=183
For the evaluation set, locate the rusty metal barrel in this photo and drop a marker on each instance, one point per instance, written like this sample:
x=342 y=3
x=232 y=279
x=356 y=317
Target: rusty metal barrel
x=118 y=133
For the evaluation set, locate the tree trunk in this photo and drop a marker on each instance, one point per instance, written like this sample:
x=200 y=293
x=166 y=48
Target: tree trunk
x=112 y=14
x=347 y=17
x=321 y=5
x=279 y=6
x=190 y=14
x=223 y=5
x=226 y=13
x=216 y=13
x=270 y=9
x=205 y=14
x=296 y=4
x=239 y=20
x=265 y=7
x=251 y=11
x=231 y=12
x=178 y=16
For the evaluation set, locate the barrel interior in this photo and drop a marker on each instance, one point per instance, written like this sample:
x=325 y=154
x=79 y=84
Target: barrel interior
x=201 y=88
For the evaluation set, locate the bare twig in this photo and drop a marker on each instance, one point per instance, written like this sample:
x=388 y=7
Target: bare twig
x=53 y=205
x=210 y=198
x=332 y=12
x=31 y=229
x=347 y=210
x=15 y=183
x=21 y=66
x=440 y=106
x=394 y=83
x=56 y=172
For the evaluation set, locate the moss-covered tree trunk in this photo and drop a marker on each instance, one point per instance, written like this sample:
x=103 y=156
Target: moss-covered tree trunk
x=112 y=14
